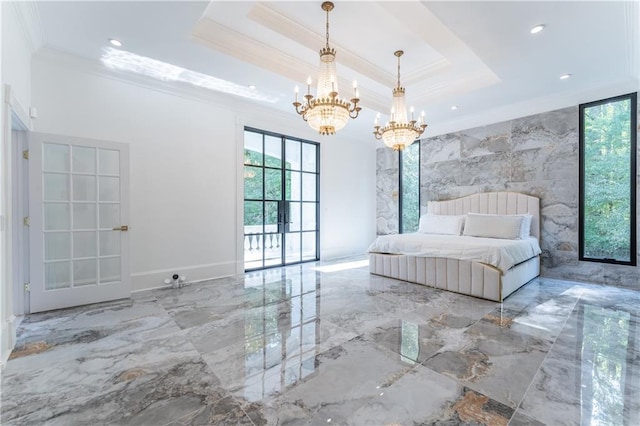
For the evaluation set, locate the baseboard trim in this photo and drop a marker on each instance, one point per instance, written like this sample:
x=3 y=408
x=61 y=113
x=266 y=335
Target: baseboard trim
x=8 y=339
x=155 y=279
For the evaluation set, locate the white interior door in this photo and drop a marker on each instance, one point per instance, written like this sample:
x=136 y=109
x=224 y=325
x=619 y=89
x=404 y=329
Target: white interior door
x=79 y=212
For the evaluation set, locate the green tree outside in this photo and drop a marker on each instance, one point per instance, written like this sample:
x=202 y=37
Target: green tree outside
x=253 y=178
x=410 y=188
x=607 y=180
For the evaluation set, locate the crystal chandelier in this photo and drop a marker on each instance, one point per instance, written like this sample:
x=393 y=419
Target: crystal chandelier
x=327 y=113
x=399 y=132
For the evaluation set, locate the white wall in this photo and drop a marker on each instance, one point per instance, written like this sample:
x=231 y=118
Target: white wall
x=16 y=48
x=16 y=53
x=4 y=341
x=348 y=200
x=185 y=156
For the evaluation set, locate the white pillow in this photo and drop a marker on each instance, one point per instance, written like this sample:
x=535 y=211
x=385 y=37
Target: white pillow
x=441 y=224
x=493 y=226
x=525 y=229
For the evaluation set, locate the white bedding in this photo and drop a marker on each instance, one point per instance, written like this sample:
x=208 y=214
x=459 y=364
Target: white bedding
x=501 y=253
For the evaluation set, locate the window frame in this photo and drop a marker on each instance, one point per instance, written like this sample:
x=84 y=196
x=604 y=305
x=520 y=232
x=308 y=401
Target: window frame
x=400 y=186
x=285 y=229
x=632 y=97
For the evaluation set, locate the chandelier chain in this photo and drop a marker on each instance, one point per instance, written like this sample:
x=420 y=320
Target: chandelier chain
x=398 y=71
x=328 y=28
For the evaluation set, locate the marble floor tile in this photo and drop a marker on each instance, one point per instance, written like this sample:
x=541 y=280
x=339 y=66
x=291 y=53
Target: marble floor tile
x=387 y=389
x=329 y=343
x=592 y=372
x=416 y=342
x=521 y=419
x=543 y=319
x=130 y=364
x=494 y=361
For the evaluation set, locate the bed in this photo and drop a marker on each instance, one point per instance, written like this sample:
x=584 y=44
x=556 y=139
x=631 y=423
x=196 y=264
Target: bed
x=490 y=273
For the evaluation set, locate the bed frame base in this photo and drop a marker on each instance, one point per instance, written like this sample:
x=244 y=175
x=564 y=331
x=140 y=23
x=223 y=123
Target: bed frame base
x=459 y=276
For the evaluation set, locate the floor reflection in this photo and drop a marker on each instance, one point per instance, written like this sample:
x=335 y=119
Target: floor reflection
x=410 y=344
x=608 y=384
x=281 y=337
x=257 y=349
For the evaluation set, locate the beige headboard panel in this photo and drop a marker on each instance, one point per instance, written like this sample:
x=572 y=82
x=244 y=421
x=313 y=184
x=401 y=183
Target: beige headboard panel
x=492 y=203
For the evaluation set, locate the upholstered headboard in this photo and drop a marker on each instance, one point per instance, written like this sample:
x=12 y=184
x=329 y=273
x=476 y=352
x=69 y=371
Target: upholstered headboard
x=492 y=203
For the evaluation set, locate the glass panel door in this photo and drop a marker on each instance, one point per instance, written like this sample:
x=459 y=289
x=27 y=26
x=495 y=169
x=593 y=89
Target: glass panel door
x=302 y=230
x=281 y=200
x=79 y=206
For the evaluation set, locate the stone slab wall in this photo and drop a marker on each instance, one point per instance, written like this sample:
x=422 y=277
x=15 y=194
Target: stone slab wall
x=387 y=180
x=535 y=155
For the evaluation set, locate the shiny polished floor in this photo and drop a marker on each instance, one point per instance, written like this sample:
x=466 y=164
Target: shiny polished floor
x=331 y=344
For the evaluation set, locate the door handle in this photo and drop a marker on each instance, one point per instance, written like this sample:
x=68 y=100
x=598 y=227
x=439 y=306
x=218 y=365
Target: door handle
x=122 y=228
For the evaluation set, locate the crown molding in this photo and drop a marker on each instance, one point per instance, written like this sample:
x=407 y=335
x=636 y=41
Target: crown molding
x=250 y=111
x=427 y=71
x=264 y=15
x=457 y=56
x=455 y=61
x=461 y=85
x=29 y=18
x=531 y=107
x=235 y=44
x=178 y=89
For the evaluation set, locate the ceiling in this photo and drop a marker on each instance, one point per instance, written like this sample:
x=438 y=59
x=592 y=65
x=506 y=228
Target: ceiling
x=478 y=56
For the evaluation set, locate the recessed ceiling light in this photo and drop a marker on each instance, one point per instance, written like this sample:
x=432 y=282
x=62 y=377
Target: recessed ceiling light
x=455 y=107
x=252 y=86
x=537 y=29
x=115 y=42
x=565 y=76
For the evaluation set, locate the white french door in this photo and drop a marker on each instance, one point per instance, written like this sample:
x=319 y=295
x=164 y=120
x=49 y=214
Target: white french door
x=79 y=211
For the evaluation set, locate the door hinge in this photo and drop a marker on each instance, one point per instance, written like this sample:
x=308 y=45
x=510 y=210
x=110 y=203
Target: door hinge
x=25 y=154
x=27 y=287
x=26 y=221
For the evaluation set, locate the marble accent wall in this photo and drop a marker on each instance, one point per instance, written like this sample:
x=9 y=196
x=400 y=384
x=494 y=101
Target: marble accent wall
x=387 y=174
x=535 y=155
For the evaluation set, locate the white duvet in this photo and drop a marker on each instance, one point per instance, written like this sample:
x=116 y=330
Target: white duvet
x=503 y=254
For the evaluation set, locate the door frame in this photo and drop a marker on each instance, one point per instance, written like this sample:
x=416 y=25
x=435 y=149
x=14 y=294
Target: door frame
x=20 y=210
x=12 y=112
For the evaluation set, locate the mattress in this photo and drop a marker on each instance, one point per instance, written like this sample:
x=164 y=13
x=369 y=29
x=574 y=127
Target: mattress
x=500 y=253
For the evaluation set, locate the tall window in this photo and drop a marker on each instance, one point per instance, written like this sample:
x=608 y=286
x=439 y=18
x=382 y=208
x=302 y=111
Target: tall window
x=410 y=188
x=608 y=180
